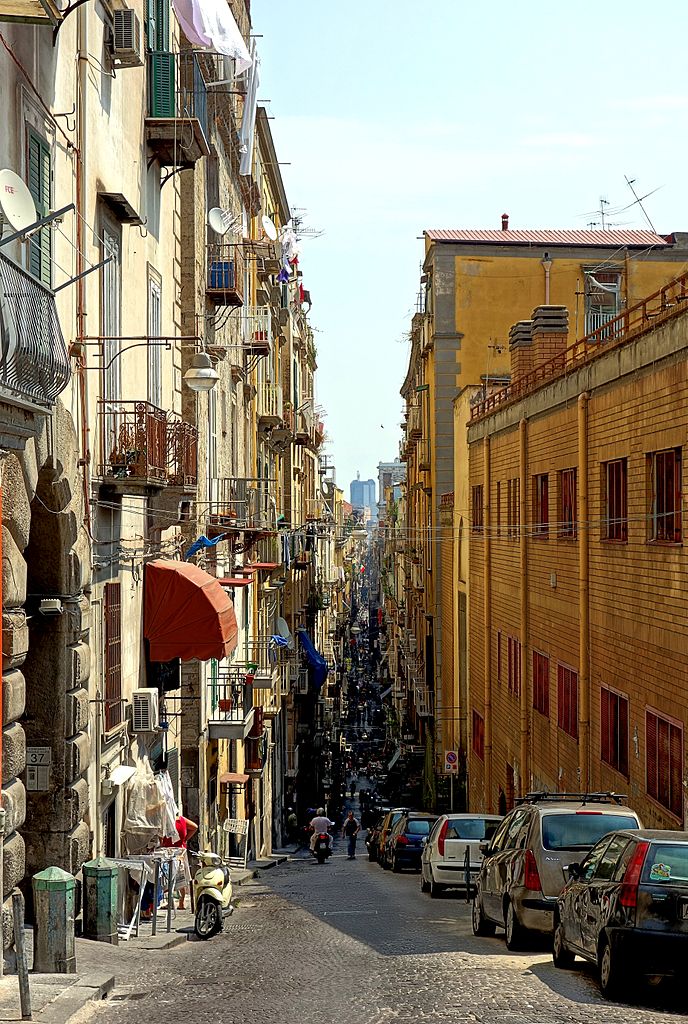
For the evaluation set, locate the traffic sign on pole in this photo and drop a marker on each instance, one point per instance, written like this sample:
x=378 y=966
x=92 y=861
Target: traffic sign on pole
x=451 y=762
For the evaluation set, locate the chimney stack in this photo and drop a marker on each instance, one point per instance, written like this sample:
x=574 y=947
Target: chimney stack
x=550 y=333
x=521 y=349
x=505 y=222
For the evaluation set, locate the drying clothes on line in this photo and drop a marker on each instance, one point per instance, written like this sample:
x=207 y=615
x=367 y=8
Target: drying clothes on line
x=203 y=542
x=211 y=24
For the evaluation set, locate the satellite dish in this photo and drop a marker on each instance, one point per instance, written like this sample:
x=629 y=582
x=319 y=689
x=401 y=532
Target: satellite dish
x=269 y=228
x=221 y=220
x=16 y=204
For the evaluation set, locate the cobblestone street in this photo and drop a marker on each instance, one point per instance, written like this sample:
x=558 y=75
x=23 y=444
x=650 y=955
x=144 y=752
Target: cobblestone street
x=348 y=942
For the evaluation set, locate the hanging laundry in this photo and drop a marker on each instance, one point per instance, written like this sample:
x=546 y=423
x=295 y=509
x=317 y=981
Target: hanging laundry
x=203 y=542
x=211 y=24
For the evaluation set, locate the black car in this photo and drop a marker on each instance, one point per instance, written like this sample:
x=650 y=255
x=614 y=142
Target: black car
x=373 y=835
x=404 y=846
x=625 y=908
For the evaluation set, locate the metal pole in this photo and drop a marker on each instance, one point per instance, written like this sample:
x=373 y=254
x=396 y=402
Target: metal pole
x=156 y=879
x=170 y=889
x=451 y=791
x=22 y=969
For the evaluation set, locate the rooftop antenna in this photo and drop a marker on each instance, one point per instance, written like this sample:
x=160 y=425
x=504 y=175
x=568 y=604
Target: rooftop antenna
x=639 y=200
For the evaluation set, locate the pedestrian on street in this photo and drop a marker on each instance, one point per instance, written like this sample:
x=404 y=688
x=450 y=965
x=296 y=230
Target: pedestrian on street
x=353 y=789
x=351 y=830
x=292 y=826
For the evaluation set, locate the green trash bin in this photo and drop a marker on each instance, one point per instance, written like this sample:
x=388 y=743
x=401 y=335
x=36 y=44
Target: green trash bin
x=53 y=938
x=100 y=900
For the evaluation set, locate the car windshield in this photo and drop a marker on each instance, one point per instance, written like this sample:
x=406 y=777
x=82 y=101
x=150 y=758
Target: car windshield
x=580 y=830
x=470 y=828
x=419 y=827
x=666 y=863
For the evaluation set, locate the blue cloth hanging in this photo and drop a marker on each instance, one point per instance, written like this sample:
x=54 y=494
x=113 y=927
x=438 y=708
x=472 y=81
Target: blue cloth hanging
x=316 y=662
x=203 y=542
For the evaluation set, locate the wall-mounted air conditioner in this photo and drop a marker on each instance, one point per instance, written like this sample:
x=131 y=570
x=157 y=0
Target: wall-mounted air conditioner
x=127 y=40
x=144 y=710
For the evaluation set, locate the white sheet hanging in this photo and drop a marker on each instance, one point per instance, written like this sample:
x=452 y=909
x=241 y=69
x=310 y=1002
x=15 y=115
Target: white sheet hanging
x=248 y=121
x=211 y=24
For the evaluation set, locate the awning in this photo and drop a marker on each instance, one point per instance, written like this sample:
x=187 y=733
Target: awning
x=266 y=566
x=315 y=660
x=186 y=613
x=234 y=778
x=234 y=581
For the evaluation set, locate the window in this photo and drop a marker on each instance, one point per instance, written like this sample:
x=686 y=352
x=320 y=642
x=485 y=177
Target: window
x=479 y=735
x=112 y=612
x=499 y=657
x=499 y=509
x=615 y=500
x=541 y=683
x=541 y=505
x=39 y=171
x=665 y=495
x=110 y=312
x=514 y=665
x=478 y=509
x=567 y=693
x=614 y=730
x=513 y=511
x=602 y=290
x=567 y=504
x=154 y=330
x=606 y=867
x=664 y=760
x=564 y=831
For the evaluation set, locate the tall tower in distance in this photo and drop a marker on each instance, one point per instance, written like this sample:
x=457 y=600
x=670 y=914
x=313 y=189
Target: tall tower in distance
x=362 y=496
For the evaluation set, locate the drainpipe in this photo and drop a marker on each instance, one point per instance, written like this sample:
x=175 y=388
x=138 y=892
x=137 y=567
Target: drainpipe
x=524 y=774
x=547 y=266
x=583 y=597
x=81 y=235
x=487 y=619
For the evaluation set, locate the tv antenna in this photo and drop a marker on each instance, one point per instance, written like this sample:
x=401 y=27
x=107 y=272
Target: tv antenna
x=639 y=200
x=300 y=229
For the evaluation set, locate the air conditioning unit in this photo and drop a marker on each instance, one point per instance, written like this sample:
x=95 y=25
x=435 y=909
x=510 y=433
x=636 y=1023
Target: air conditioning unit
x=144 y=710
x=127 y=49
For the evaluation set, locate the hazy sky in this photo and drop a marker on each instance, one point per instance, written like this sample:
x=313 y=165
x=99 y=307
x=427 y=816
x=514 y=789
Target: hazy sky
x=397 y=116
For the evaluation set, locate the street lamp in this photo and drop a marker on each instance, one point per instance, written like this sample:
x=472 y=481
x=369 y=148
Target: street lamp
x=201 y=375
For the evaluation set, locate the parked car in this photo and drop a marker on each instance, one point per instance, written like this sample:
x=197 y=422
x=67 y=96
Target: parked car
x=522 y=872
x=404 y=846
x=390 y=820
x=626 y=909
x=443 y=861
x=373 y=836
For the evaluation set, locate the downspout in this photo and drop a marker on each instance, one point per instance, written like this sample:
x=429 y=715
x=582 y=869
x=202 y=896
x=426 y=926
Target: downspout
x=81 y=235
x=583 y=596
x=487 y=619
x=524 y=773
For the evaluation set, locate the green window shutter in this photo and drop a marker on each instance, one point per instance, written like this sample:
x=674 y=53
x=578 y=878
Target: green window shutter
x=39 y=180
x=162 y=24
x=161 y=84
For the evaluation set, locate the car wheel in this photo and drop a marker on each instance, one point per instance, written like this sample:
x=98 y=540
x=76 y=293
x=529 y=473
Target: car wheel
x=562 y=957
x=385 y=862
x=514 y=932
x=424 y=886
x=481 y=926
x=610 y=971
x=396 y=867
x=435 y=889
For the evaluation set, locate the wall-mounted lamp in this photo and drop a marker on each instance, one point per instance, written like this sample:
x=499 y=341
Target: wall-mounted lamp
x=201 y=375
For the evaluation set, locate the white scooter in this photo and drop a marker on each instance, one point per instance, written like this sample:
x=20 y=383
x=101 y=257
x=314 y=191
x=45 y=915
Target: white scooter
x=213 y=895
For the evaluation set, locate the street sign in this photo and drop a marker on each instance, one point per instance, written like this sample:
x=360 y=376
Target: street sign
x=451 y=762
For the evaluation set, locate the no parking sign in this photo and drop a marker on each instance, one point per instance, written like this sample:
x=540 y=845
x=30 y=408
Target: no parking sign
x=451 y=762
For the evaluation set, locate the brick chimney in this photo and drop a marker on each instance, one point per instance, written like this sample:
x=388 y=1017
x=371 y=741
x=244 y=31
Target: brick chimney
x=505 y=222
x=521 y=349
x=550 y=333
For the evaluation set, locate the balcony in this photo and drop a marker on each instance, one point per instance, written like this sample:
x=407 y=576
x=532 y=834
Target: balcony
x=34 y=366
x=423 y=701
x=423 y=455
x=143 y=448
x=304 y=433
x=240 y=503
x=315 y=508
x=269 y=404
x=230 y=706
x=415 y=427
x=177 y=121
x=225 y=274
x=257 y=324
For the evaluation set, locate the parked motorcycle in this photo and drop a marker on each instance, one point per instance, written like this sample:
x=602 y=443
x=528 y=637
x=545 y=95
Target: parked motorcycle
x=322 y=848
x=213 y=894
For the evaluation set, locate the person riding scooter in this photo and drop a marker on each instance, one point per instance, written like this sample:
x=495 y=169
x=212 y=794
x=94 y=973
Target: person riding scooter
x=321 y=825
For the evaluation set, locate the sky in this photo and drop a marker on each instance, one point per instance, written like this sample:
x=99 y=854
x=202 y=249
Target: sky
x=394 y=116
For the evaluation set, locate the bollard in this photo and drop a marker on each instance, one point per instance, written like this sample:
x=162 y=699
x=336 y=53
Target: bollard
x=53 y=944
x=156 y=883
x=100 y=901
x=170 y=894
x=22 y=968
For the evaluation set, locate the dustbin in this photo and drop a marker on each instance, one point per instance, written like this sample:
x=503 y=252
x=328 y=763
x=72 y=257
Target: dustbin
x=53 y=941
x=100 y=900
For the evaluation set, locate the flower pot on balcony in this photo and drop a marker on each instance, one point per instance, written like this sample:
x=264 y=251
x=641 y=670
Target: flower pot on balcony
x=225 y=703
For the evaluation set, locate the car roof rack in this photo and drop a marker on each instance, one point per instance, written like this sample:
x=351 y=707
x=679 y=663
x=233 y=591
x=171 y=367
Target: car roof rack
x=583 y=798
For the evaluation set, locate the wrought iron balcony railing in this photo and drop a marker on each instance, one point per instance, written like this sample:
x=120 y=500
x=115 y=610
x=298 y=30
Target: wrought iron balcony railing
x=34 y=365
x=177 y=121
x=230 y=705
x=241 y=503
x=269 y=403
x=142 y=445
x=225 y=282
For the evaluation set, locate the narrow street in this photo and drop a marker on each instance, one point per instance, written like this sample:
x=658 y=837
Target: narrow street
x=349 y=942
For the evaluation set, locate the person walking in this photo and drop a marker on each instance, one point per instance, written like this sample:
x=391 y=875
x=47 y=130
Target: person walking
x=351 y=830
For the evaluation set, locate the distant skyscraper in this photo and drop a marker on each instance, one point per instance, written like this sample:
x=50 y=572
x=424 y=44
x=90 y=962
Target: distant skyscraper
x=362 y=493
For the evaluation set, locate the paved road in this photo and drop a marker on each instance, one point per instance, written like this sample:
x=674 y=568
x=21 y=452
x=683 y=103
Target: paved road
x=350 y=943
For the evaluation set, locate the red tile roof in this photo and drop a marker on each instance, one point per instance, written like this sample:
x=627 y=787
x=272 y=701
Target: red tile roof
x=557 y=236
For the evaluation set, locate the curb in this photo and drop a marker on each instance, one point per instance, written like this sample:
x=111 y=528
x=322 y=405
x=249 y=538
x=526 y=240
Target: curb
x=90 y=988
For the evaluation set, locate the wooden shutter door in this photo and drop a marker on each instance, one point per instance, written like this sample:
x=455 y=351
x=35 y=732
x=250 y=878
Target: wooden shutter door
x=39 y=172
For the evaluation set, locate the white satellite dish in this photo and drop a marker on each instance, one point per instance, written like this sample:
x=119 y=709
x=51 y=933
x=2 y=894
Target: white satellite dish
x=16 y=203
x=269 y=228
x=221 y=220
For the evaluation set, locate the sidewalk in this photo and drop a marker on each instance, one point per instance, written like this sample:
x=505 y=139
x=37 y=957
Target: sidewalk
x=56 y=998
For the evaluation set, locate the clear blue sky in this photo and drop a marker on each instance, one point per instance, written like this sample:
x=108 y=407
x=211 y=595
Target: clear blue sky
x=398 y=116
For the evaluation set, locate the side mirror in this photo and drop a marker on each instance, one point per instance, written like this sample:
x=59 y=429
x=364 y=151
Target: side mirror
x=484 y=849
x=573 y=870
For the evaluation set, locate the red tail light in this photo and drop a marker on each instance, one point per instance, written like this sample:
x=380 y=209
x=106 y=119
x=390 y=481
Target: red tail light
x=441 y=837
x=532 y=875
x=402 y=840
x=628 y=894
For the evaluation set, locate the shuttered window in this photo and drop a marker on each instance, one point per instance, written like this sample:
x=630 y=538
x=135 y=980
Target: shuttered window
x=112 y=611
x=665 y=487
x=615 y=487
x=478 y=735
x=514 y=665
x=567 y=504
x=39 y=182
x=664 y=761
x=154 y=348
x=541 y=683
x=513 y=510
x=614 y=730
x=478 y=520
x=567 y=700
x=541 y=506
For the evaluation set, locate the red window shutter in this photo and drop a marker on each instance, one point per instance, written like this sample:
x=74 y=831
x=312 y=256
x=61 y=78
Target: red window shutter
x=677 y=496
x=623 y=736
x=663 y=757
x=604 y=726
x=675 y=771
x=651 y=753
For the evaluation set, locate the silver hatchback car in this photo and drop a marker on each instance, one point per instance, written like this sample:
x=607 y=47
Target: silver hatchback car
x=523 y=868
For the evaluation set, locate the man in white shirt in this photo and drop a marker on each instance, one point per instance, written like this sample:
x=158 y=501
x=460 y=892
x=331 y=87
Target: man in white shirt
x=319 y=824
